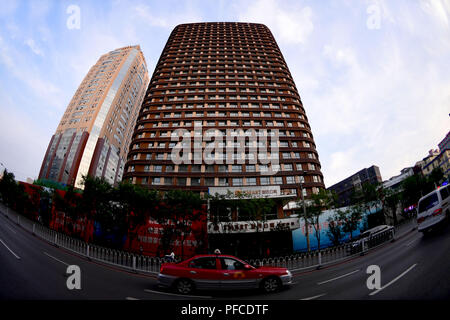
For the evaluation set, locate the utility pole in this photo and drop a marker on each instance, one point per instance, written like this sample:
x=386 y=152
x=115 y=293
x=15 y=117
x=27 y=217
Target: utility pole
x=208 y=217
x=304 y=215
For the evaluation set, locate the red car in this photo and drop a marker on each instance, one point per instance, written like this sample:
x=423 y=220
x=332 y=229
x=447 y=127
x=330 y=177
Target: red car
x=217 y=271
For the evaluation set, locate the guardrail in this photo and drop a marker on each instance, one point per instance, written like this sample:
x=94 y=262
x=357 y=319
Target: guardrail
x=122 y=259
x=145 y=264
x=319 y=258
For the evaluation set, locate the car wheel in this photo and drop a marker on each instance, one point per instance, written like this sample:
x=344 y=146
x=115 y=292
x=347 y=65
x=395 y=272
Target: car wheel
x=184 y=286
x=271 y=284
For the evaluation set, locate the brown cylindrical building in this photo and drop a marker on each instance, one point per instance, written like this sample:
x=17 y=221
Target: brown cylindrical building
x=222 y=116
x=222 y=76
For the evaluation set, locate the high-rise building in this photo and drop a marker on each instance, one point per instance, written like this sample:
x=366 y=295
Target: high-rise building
x=222 y=116
x=95 y=131
x=214 y=77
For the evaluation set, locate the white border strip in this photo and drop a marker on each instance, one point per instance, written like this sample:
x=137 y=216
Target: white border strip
x=314 y=297
x=50 y=256
x=344 y=275
x=178 y=295
x=391 y=282
x=15 y=255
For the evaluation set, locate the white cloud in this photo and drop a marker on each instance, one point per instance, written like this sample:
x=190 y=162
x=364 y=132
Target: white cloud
x=8 y=7
x=21 y=69
x=339 y=163
x=144 y=12
x=23 y=141
x=373 y=97
x=340 y=56
x=33 y=46
x=438 y=9
x=387 y=113
x=155 y=19
x=290 y=24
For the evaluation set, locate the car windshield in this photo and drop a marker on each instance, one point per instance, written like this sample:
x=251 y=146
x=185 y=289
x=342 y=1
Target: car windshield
x=428 y=202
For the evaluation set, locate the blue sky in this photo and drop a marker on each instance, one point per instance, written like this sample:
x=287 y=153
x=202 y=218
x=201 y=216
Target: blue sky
x=374 y=76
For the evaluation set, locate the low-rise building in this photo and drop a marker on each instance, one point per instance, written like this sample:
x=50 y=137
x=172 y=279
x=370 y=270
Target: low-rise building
x=437 y=158
x=345 y=188
x=440 y=161
x=395 y=181
x=432 y=154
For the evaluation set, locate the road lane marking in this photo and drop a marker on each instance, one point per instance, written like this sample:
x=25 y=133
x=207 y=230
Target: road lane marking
x=50 y=256
x=314 y=297
x=344 y=275
x=131 y=298
x=10 y=228
x=15 y=255
x=178 y=295
x=409 y=243
x=391 y=282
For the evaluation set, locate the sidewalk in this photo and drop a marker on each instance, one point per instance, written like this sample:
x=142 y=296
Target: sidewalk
x=406 y=227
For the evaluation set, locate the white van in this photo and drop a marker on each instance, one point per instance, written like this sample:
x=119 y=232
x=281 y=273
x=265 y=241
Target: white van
x=433 y=209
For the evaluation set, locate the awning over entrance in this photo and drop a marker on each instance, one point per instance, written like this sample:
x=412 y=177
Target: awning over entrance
x=232 y=193
x=285 y=224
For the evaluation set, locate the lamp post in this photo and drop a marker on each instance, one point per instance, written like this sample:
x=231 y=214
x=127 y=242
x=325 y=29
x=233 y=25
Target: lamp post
x=304 y=215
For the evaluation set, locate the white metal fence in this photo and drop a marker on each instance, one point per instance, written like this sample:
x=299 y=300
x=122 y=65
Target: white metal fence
x=123 y=259
x=316 y=258
x=145 y=264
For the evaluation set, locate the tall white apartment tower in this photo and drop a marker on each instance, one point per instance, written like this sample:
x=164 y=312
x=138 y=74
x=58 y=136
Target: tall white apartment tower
x=95 y=131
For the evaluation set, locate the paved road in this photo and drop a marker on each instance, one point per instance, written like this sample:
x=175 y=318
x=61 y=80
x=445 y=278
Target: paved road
x=413 y=267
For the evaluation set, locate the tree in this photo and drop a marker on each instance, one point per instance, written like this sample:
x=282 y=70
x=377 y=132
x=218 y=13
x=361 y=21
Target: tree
x=391 y=200
x=45 y=205
x=72 y=206
x=9 y=189
x=436 y=177
x=96 y=204
x=414 y=187
x=68 y=205
x=350 y=218
x=132 y=206
x=314 y=209
x=176 y=213
x=256 y=210
x=335 y=229
x=370 y=196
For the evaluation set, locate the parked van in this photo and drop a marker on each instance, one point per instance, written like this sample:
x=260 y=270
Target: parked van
x=433 y=209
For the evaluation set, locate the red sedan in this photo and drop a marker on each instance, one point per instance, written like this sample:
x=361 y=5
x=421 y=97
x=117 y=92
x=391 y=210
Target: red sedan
x=217 y=271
